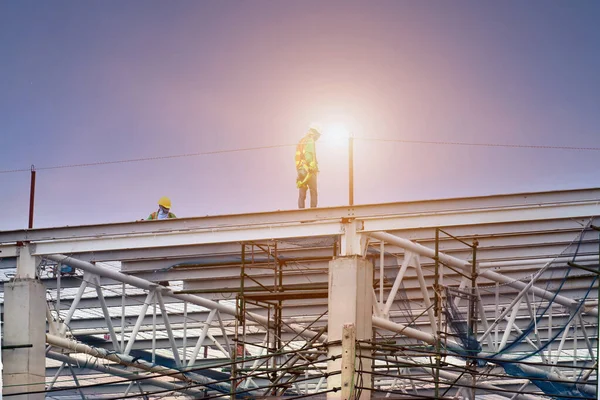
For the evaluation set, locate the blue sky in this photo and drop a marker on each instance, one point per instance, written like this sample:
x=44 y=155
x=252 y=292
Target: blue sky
x=93 y=81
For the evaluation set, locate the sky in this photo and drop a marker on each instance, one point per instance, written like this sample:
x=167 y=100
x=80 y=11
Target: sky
x=99 y=81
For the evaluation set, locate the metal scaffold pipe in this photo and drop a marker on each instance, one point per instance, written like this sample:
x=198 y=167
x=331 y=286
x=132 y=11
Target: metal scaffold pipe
x=124 y=374
x=131 y=361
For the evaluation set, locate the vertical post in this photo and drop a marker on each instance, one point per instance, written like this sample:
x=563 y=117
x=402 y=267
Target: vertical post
x=473 y=315
x=123 y=316
x=351 y=170
x=31 y=196
x=438 y=313
x=381 y=272
x=24 y=331
x=348 y=361
x=350 y=302
x=184 y=332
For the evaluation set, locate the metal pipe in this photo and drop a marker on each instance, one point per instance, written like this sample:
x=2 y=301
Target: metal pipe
x=509 y=326
x=425 y=293
x=120 y=372
x=128 y=360
x=74 y=304
x=407 y=259
x=109 y=324
x=139 y=321
x=31 y=197
x=168 y=328
x=351 y=170
x=381 y=272
x=201 y=338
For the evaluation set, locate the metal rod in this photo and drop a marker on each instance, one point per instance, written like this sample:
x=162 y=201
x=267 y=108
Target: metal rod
x=381 y=272
x=202 y=336
x=185 y=332
x=351 y=170
x=31 y=196
x=109 y=324
x=168 y=328
x=438 y=312
x=425 y=293
x=154 y=327
x=408 y=256
x=139 y=321
x=123 y=316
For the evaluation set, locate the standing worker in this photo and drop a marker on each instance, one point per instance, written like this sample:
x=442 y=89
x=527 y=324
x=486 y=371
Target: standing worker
x=163 y=212
x=307 y=166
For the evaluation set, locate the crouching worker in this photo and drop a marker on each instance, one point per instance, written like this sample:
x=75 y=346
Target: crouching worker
x=163 y=212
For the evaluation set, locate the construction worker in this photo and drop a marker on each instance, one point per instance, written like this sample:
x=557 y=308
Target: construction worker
x=163 y=212
x=307 y=166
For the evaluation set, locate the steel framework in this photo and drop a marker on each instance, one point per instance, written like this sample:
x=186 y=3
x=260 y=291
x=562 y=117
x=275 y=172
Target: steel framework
x=502 y=305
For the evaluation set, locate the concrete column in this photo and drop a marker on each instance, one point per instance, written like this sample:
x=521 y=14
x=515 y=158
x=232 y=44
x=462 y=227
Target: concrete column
x=24 y=356
x=350 y=303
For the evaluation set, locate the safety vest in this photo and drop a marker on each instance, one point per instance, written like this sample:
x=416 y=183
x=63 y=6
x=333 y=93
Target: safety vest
x=154 y=215
x=300 y=158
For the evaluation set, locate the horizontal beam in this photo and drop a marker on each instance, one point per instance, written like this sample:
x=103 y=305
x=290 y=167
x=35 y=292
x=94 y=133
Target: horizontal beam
x=206 y=236
x=499 y=215
x=282 y=217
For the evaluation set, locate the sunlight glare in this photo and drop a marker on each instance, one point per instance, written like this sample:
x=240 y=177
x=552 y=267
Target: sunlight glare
x=336 y=134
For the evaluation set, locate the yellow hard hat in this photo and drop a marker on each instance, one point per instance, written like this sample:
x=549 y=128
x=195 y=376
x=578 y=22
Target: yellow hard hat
x=164 y=202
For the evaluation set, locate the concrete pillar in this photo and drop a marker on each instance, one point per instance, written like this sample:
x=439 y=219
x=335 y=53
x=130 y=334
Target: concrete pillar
x=350 y=305
x=24 y=356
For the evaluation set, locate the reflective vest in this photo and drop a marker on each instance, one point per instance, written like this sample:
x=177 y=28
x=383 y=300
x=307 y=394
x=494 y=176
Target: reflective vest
x=154 y=215
x=305 y=153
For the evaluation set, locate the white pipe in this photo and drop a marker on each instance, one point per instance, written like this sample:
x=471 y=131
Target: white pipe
x=466 y=266
x=74 y=304
x=425 y=293
x=534 y=261
x=109 y=325
x=124 y=359
x=122 y=373
x=196 y=350
x=139 y=321
x=407 y=259
x=513 y=303
x=381 y=270
x=410 y=332
x=168 y=328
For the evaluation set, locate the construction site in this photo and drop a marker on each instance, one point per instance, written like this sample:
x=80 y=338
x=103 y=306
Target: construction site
x=490 y=298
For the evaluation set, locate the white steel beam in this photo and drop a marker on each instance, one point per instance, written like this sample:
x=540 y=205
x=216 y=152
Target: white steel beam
x=327 y=213
x=483 y=216
x=205 y=236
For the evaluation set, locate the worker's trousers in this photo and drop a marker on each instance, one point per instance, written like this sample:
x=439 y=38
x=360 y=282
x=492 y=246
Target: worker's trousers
x=311 y=185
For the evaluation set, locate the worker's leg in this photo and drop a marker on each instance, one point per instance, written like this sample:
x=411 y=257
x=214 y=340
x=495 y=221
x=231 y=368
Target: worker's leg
x=302 y=196
x=312 y=185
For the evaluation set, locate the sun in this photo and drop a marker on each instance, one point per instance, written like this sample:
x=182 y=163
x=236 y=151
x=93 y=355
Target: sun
x=337 y=134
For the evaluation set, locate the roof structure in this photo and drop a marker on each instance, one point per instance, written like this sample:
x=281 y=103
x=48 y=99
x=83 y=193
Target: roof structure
x=486 y=297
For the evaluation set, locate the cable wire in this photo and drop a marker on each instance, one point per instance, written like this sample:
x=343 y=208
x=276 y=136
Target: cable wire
x=372 y=139
x=508 y=145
